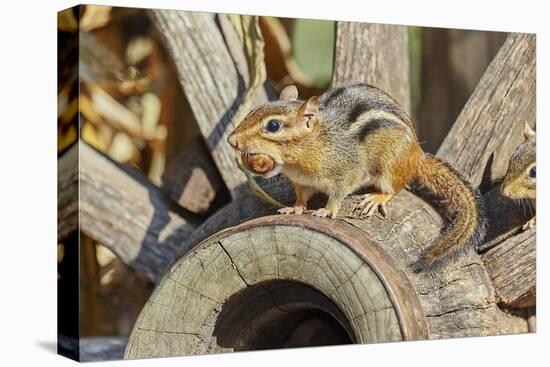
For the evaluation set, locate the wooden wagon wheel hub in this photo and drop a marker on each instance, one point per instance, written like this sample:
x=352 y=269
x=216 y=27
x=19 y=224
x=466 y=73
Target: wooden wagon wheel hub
x=252 y=286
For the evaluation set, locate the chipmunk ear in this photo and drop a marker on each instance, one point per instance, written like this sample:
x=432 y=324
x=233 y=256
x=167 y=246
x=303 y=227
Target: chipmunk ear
x=528 y=133
x=289 y=93
x=308 y=111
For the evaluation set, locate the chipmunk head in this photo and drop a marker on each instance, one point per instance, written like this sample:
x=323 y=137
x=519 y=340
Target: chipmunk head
x=520 y=179
x=276 y=129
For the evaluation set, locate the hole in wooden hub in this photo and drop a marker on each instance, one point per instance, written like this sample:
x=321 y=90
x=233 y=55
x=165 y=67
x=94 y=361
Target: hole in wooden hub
x=280 y=314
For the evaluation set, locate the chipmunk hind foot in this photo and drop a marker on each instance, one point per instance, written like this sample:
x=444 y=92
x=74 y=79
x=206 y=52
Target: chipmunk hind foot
x=370 y=203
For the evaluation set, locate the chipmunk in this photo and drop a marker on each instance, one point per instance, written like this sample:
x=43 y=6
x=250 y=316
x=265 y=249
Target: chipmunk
x=351 y=137
x=520 y=180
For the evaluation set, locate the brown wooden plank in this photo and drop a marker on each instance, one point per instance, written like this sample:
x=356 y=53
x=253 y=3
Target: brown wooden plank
x=67 y=193
x=191 y=180
x=376 y=54
x=489 y=127
x=121 y=209
x=512 y=268
x=210 y=78
x=190 y=177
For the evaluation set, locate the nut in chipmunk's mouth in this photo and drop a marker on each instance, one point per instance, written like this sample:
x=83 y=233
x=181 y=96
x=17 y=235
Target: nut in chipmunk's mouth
x=261 y=164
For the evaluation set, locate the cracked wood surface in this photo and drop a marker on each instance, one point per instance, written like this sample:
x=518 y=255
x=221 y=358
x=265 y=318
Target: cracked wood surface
x=192 y=296
x=512 y=267
x=490 y=126
x=123 y=210
x=456 y=301
x=459 y=299
x=480 y=144
x=509 y=253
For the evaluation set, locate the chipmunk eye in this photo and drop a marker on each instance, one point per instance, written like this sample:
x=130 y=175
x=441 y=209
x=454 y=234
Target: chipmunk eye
x=273 y=126
x=533 y=172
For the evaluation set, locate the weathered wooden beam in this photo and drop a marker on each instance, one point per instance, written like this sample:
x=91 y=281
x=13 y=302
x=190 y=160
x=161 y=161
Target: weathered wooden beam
x=67 y=193
x=122 y=210
x=376 y=54
x=480 y=143
x=191 y=180
x=512 y=268
x=210 y=79
x=489 y=127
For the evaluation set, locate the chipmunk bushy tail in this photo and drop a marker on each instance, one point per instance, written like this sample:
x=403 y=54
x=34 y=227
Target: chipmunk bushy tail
x=468 y=222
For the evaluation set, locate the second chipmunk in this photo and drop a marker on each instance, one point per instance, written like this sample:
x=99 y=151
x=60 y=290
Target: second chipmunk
x=520 y=182
x=352 y=137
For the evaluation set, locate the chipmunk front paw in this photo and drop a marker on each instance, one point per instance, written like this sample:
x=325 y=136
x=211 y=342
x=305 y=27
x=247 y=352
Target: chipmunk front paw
x=325 y=212
x=292 y=210
x=530 y=224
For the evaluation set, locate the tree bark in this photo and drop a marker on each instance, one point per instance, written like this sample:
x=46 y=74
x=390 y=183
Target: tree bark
x=375 y=54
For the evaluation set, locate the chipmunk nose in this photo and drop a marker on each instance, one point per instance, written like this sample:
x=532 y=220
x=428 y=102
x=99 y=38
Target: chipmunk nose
x=233 y=141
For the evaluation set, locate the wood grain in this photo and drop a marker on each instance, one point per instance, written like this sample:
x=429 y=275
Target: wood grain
x=132 y=217
x=458 y=300
x=191 y=180
x=512 y=268
x=480 y=143
x=210 y=79
x=489 y=127
x=67 y=193
x=195 y=293
x=375 y=54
